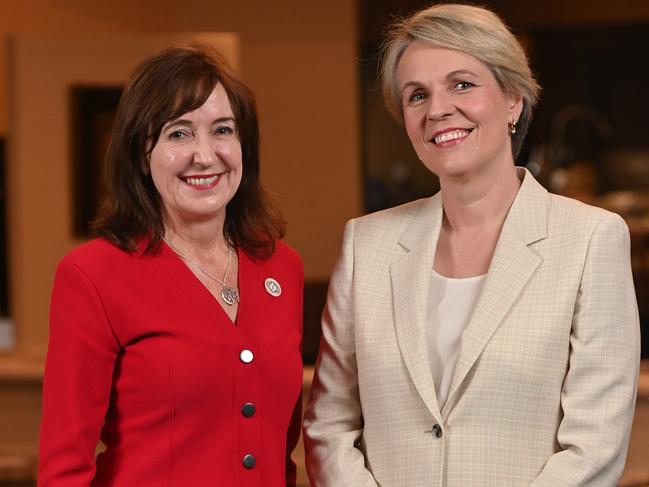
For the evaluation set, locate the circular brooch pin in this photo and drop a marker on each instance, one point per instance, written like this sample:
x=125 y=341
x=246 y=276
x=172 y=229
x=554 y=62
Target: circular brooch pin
x=272 y=287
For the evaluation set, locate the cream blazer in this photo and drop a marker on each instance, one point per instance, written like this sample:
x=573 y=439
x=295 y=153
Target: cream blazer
x=545 y=384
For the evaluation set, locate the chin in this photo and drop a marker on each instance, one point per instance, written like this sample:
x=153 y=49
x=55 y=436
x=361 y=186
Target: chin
x=450 y=169
x=194 y=214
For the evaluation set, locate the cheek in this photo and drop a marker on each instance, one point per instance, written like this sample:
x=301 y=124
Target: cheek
x=231 y=155
x=161 y=181
x=155 y=170
x=238 y=157
x=493 y=109
x=481 y=109
x=163 y=168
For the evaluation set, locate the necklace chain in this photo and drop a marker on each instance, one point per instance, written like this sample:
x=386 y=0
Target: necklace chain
x=229 y=294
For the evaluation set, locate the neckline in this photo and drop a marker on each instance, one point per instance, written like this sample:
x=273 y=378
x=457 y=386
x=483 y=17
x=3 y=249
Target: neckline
x=459 y=280
x=206 y=295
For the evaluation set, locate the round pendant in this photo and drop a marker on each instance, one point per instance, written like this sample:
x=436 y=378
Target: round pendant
x=229 y=295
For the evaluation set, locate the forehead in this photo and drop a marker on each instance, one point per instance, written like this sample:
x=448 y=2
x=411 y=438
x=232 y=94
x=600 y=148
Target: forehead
x=423 y=62
x=216 y=104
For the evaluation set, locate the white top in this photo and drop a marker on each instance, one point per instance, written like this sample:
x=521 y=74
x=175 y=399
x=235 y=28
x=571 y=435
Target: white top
x=450 y=306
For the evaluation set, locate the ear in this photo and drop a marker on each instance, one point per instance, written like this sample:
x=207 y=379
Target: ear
x=514 y=106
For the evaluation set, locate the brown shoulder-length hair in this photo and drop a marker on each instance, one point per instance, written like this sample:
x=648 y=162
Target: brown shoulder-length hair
x=162 y=88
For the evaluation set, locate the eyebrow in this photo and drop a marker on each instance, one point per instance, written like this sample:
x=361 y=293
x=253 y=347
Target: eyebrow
x=188 y=123
x=448 y=77
x=457 y=72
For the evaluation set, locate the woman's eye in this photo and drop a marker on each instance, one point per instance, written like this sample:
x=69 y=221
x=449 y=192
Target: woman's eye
x=176 y=134
x=463 y=85
x=416 y=96
x=224 y=130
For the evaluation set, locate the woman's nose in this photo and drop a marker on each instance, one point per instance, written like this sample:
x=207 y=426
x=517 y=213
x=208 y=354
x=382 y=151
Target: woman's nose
x=439 y=107
x=204 y=152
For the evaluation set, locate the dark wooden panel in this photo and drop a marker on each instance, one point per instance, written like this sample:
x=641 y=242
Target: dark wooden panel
x=315 y=296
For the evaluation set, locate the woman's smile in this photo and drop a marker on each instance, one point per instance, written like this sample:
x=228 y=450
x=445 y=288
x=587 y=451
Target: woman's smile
x=203 y=182
x=449 y=137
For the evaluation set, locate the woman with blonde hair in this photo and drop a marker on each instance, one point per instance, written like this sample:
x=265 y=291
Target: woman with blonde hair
x=487 y=335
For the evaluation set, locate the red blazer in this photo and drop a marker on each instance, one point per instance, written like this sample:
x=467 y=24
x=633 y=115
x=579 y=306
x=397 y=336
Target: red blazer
x=143 y=357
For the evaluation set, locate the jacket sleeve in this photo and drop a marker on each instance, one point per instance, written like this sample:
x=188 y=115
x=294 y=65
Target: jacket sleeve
x=76 y=388
x=599 y=390
x=333 y=424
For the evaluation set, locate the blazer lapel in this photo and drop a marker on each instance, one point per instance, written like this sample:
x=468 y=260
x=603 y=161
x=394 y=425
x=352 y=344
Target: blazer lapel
x=512 y=265
x=410 y=276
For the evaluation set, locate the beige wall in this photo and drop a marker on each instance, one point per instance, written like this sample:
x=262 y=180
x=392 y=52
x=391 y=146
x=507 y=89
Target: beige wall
x=299 y=57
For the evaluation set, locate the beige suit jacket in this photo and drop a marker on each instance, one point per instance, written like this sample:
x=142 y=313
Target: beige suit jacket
x=545 y=384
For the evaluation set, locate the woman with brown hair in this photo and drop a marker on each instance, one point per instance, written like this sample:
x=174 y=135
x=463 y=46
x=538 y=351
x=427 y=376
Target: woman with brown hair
x=175 y=337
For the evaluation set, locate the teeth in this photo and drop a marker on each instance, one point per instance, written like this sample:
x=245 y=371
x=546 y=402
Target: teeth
x=200 y=181
x=455 y=134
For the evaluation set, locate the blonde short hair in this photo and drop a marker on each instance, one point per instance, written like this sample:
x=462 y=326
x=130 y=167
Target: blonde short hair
x=475 y=31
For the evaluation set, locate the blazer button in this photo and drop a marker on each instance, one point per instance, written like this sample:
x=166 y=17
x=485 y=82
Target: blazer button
x=437 y=431
x=248 y=409
x=246 y=356
x=249 y=461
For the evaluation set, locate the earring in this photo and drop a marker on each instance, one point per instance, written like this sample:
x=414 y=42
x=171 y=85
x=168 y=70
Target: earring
x=512 y=128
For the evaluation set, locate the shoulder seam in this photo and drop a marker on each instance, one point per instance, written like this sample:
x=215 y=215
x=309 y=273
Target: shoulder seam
x=76 y=266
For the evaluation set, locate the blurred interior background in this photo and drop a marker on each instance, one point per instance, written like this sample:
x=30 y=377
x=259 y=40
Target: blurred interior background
x=330 y=151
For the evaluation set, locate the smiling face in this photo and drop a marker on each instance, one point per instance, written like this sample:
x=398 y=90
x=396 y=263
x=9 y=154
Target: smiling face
x=196 y=164
x=455 y=112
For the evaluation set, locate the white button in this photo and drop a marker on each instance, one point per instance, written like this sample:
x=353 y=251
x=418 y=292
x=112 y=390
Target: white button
x=272 y=287
x=246 y=356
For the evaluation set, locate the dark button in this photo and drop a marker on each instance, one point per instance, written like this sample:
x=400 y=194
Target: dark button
x=246 y=356
x=249 y=461
x=248 y=409
x=437 y=431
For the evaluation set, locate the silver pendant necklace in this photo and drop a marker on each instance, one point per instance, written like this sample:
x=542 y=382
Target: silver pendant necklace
x=229 y=294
